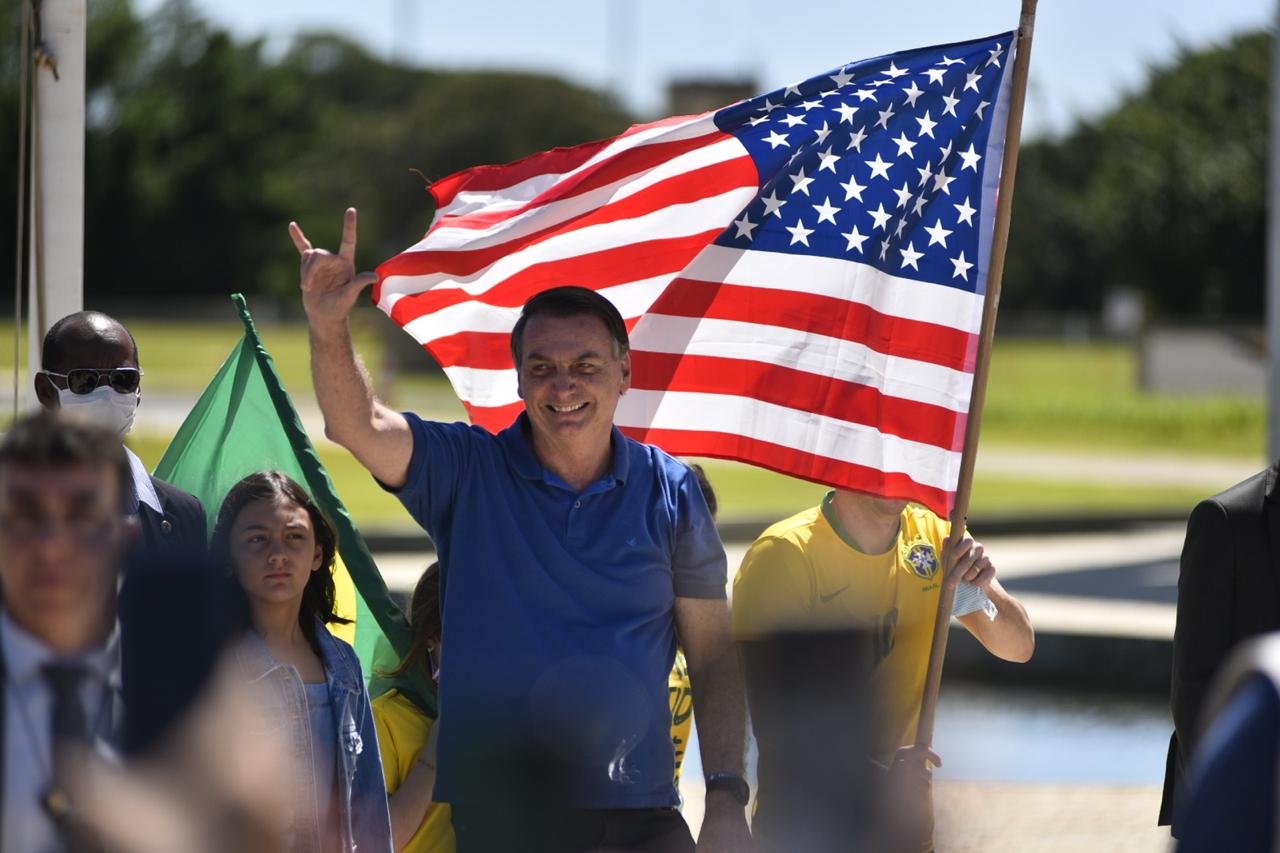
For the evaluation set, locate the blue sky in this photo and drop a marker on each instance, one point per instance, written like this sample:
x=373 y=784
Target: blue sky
x=1086 y=52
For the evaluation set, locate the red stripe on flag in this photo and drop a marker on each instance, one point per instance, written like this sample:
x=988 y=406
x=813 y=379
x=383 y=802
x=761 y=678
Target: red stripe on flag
x=682 y=189
x=805 y=392
x=596 y=270
x=820 y=315
x=625 y=165
x=494 y=418
x=479 y=350
x=557 y=161
x=793 y=463
x=784 y=460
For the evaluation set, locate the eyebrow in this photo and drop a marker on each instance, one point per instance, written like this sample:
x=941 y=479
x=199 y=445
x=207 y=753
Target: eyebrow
x=537 y=356
x=291 y=526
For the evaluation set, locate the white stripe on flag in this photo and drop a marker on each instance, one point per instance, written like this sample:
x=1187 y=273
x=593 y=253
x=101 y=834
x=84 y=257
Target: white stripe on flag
x=631 y=299
x=772 y=346
x=449 y=236
x=821 y=355
x=525 y=191
x=838 y=440
x=888 y=294
x=679 y=220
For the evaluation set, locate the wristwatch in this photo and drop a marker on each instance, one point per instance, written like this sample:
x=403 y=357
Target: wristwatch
x=734 y=784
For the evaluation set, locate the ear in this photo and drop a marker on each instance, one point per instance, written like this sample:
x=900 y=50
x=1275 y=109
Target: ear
x=46 y=392
x=626 y=373
x=318 y=559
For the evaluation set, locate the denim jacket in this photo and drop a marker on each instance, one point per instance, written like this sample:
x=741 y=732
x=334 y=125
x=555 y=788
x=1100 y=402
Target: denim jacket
x=362 y=795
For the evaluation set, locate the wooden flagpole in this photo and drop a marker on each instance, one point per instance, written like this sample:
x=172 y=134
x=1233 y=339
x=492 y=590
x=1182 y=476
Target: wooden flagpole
x=1004 y=204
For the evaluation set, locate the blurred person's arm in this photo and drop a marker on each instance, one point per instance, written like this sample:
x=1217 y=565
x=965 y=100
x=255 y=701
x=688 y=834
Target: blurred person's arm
x=720 y=704
x=1007 y=635
x=375 y=434
x=410 y=801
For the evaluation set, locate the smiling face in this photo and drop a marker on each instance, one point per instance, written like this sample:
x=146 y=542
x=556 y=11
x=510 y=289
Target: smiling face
x=273 y=552
x=570 y=379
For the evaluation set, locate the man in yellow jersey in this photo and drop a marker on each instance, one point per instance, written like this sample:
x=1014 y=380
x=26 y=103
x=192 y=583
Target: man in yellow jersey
x=872 y=565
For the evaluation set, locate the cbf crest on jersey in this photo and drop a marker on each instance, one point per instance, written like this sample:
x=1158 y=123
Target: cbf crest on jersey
x=923 y=560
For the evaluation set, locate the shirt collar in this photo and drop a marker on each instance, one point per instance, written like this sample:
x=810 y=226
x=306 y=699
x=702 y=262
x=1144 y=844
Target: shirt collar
x=144 y=491
x=515 y=439
x=25 y=654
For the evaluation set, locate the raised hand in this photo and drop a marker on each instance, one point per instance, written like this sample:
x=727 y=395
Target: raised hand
x=330 y=283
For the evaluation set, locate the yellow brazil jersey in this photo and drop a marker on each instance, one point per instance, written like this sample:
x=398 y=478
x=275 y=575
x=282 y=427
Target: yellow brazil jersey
x=680 y=698
x=402 y=733
x=802 y=573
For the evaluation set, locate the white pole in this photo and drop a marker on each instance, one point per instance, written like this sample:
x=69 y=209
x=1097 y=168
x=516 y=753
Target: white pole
x=1273 y=259
x=56 y=273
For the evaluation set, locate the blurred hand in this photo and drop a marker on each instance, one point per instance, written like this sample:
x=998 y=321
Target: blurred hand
x=330 y=284
x=971 y=564
x=724 y=827
x=910 y=804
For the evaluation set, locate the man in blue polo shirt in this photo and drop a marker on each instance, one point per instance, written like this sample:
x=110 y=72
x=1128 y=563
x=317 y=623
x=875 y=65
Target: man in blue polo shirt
x=574 y=558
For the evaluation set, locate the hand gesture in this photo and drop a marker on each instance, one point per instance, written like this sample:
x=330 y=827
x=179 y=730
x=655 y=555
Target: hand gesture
x=330 y=283
x=971 y=564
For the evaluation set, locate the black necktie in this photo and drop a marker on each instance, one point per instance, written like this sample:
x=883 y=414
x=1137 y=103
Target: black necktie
x=68 y=724
x=69 y=733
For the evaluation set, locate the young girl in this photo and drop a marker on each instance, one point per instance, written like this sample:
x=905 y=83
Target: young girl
x=281 y=550
x=407 y=737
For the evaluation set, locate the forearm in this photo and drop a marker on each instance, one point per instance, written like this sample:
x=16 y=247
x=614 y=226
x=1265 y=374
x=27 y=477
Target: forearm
x=341 y=383
x=410 y=802
x=1010 y=635
x=719 y=705
x=375 y=435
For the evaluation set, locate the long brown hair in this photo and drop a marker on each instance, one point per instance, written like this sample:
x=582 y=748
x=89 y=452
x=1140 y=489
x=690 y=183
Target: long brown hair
x=424 y=620
x=319 y=595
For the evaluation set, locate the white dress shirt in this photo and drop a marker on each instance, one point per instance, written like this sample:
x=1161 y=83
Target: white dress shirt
x=28 y=748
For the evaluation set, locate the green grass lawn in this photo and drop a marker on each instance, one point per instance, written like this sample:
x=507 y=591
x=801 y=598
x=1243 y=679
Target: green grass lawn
x=1086 y=395
x=1042 y=394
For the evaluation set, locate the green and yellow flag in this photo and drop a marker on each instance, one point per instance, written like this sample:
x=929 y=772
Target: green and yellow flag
x=245 y=422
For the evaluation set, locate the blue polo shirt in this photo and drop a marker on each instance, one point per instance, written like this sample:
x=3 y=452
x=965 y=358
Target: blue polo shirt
x=559 y=626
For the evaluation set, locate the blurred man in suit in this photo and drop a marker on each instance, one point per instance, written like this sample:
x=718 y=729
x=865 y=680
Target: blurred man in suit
x=1227 y=591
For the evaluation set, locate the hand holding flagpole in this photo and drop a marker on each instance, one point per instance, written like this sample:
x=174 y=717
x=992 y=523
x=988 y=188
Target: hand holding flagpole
x=1021 y=66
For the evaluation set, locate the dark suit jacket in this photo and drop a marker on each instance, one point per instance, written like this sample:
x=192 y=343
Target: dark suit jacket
x=1227 y=590
x=180 y=531
x=164 y=605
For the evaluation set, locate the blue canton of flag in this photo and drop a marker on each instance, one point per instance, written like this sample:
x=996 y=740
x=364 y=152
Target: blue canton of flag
x=889 y=162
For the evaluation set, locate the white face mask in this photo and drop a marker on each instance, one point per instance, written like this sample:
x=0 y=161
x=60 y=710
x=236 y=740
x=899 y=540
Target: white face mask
x=103 y=405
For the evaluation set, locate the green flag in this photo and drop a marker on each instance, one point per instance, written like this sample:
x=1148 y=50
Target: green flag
x=245 y=422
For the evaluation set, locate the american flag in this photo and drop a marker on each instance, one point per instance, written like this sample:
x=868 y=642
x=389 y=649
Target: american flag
x=802 y=273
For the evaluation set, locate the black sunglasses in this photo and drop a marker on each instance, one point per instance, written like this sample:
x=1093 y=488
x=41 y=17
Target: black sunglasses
x=82 y=380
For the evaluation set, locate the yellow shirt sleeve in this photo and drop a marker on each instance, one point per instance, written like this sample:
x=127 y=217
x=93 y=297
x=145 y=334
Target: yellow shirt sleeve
x=402 y=734
x=394 y=767
x=773 y=590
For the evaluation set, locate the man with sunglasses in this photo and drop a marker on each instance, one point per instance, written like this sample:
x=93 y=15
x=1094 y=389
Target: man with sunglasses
x=89 y=368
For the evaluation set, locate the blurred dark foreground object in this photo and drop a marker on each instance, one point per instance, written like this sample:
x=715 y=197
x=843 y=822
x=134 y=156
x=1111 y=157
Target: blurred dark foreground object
x=814 y=721
x=196 y=777
x=175 y=622
x=1230 y=801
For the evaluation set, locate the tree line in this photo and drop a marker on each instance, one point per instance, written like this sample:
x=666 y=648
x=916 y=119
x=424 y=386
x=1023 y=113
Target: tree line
x=201 y=146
